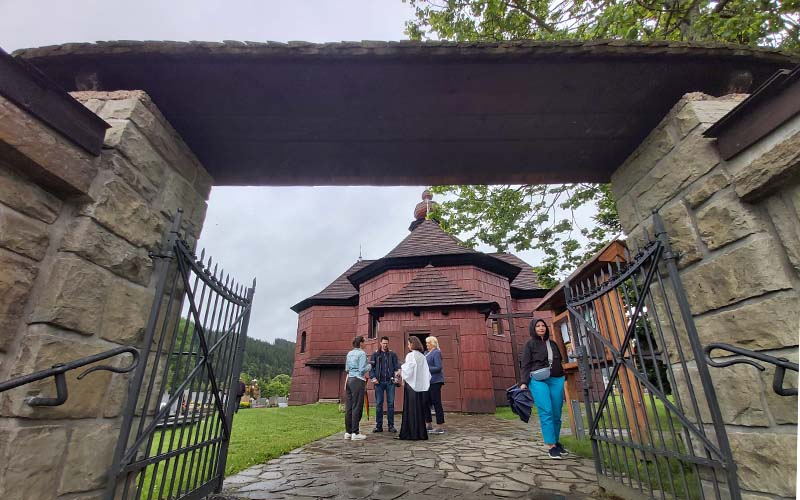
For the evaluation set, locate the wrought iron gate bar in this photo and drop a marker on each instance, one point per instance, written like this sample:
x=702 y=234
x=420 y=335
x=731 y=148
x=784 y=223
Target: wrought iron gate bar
x=642 y=436
x=185 y=407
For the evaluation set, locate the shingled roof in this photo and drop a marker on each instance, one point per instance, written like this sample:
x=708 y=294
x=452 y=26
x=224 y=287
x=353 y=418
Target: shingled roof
x=428 y=238
x=339 y=293
x=429 y=288
x=526 y=284
x=327 y=360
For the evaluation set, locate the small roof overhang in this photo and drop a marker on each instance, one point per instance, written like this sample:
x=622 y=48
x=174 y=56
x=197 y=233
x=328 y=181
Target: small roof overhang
x=410 y=113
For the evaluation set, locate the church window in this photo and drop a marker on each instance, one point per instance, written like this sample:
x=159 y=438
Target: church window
x=374 y=326
x=303 y=342
x=494 y=326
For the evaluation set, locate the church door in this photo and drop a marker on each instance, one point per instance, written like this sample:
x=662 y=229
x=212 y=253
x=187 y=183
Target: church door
x=330 y=383
x=451 y=391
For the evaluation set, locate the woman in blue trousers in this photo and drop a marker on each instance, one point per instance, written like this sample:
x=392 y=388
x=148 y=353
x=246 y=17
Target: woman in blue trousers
x=547 y=387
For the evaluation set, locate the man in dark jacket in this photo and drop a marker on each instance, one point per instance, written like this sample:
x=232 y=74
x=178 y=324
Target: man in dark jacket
x=385 y=366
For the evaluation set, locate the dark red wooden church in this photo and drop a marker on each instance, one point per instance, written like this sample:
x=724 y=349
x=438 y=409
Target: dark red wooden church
x=429 y=284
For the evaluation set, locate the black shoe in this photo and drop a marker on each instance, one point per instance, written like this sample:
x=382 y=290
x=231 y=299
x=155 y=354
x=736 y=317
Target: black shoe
x=563 y=451
x=392 y=429
x=377 y=429
x=554 y=453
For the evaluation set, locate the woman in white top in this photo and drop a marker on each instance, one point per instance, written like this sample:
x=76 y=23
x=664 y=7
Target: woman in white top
x=417 y=378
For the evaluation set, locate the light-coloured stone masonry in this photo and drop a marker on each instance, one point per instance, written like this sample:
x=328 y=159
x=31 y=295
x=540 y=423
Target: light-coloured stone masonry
x=76 y=279
x=735 y=226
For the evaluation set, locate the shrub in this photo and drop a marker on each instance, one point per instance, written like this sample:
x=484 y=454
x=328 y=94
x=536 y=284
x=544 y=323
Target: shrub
x=244 y=404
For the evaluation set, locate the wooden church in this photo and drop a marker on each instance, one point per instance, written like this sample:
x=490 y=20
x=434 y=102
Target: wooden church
x=477 y=304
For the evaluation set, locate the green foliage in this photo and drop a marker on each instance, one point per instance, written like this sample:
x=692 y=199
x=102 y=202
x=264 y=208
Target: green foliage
x=529 y=217
x=771 y=23
x=264 y=361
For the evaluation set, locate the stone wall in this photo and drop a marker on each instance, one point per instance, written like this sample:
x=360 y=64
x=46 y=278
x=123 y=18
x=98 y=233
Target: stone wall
x=735 y=226
x=76 y=279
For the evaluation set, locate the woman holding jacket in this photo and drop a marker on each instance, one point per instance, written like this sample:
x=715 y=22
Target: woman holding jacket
x=543 y=374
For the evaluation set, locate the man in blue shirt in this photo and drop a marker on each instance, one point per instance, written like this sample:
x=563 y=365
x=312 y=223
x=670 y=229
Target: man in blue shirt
x=356 y=367
x=385 y=366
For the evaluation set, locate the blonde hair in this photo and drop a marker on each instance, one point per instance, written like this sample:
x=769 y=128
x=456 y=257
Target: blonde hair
x=433 y=340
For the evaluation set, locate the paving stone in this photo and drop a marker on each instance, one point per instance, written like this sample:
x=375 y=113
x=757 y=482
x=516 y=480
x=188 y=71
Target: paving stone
x=263 y=486
x=508 y=485
x=494 y=470
x=459 y=475
x=270 y=475
x=388 y=492
x=522 y=477
x=240 y=479
x=454 y=484
x=555 y=485
x=465 y=468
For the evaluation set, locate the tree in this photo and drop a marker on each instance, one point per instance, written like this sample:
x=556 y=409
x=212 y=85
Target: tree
x=279 y=386
x=540 y=216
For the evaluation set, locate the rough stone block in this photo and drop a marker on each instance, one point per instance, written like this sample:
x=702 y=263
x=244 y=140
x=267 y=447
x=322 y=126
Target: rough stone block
x=32 y=462
x=745 y=271
x=770 y=322
x=74 y=297
x=117 y=163
x=17 y=275
x=96 y=244
x=121 y=210
x=726 y=219
x=126 y=138
x=126 y=312
x=639 y=164
x=142 y=112
x=688 y=161
x=787 y=226
x=682 y=234
x=26 y=197
x=22 y=234
x=769 y=171
x=41 y=348
x=178 y=193
x=90 y=450
x=627 y=213
x=738 y=390
x=705 y=187
x=51 y=154
x=782 y=408
x=766 y=461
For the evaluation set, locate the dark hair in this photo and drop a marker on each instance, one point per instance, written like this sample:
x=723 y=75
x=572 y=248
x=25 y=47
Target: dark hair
x=416 y=345
x=532 y=328
x=384 y=338
x=357 y=341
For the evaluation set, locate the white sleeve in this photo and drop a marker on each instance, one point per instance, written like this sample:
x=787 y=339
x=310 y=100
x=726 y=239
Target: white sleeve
x=408 y=368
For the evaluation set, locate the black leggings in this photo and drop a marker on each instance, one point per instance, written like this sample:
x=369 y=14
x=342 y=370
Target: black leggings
x=435 y=399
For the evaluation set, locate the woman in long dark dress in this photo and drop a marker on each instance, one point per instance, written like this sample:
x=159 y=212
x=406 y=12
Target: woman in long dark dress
x=417 y=380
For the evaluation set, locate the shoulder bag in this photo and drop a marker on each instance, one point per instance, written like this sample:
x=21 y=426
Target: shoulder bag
x=544 y=373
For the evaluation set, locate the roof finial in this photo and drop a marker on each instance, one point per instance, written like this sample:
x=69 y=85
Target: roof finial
x=360 y=258
x=423 y=209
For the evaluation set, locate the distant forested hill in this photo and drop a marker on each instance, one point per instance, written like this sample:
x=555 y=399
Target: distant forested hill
x=263 y=360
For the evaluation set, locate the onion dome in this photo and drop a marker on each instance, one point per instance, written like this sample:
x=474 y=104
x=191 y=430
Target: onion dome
x=424 y=207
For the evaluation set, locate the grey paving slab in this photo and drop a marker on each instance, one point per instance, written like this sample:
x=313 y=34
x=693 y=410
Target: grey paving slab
x=480 y=457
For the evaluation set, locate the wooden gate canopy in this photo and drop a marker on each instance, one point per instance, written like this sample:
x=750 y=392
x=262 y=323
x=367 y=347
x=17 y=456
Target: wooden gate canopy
x=410 y=113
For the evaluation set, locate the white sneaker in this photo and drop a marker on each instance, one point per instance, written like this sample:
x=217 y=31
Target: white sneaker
x=347 y=435
x=358 y=437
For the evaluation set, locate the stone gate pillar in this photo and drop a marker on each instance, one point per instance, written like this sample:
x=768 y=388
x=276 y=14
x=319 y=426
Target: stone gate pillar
x=735 y=226
x=76 y=279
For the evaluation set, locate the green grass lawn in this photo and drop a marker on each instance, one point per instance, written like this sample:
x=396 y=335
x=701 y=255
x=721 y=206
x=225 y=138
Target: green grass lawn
x=258 y=435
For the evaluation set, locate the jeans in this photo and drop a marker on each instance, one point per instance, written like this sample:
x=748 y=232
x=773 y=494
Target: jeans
x=354 y=404
x=548 y=395
x=380 y=388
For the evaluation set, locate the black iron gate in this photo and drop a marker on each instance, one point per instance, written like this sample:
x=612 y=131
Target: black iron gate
x=177 y=421
x=657 y=430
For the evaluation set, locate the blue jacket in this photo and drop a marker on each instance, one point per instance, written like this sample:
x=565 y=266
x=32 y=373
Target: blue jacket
x=434 y=357
x=356 y=364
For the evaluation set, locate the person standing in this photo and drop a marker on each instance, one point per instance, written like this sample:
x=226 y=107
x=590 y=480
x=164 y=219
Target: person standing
x=417 y=380
x=357 y=367
x=385 y=366
x=543 y=373
x=435 y=365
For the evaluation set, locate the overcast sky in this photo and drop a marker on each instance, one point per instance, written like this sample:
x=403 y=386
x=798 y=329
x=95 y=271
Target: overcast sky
x=295 y=241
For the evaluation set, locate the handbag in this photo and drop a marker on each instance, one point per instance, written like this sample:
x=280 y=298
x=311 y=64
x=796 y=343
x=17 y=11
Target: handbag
x=544 y=373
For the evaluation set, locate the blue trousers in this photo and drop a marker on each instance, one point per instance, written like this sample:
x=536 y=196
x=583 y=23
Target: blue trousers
x=548 y=395
x=380 y=388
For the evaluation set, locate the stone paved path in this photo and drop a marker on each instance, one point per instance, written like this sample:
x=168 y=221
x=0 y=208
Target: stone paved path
x=481 y=457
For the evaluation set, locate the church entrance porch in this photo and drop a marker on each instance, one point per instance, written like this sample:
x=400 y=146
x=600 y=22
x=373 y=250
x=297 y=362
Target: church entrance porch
x=480 y=457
